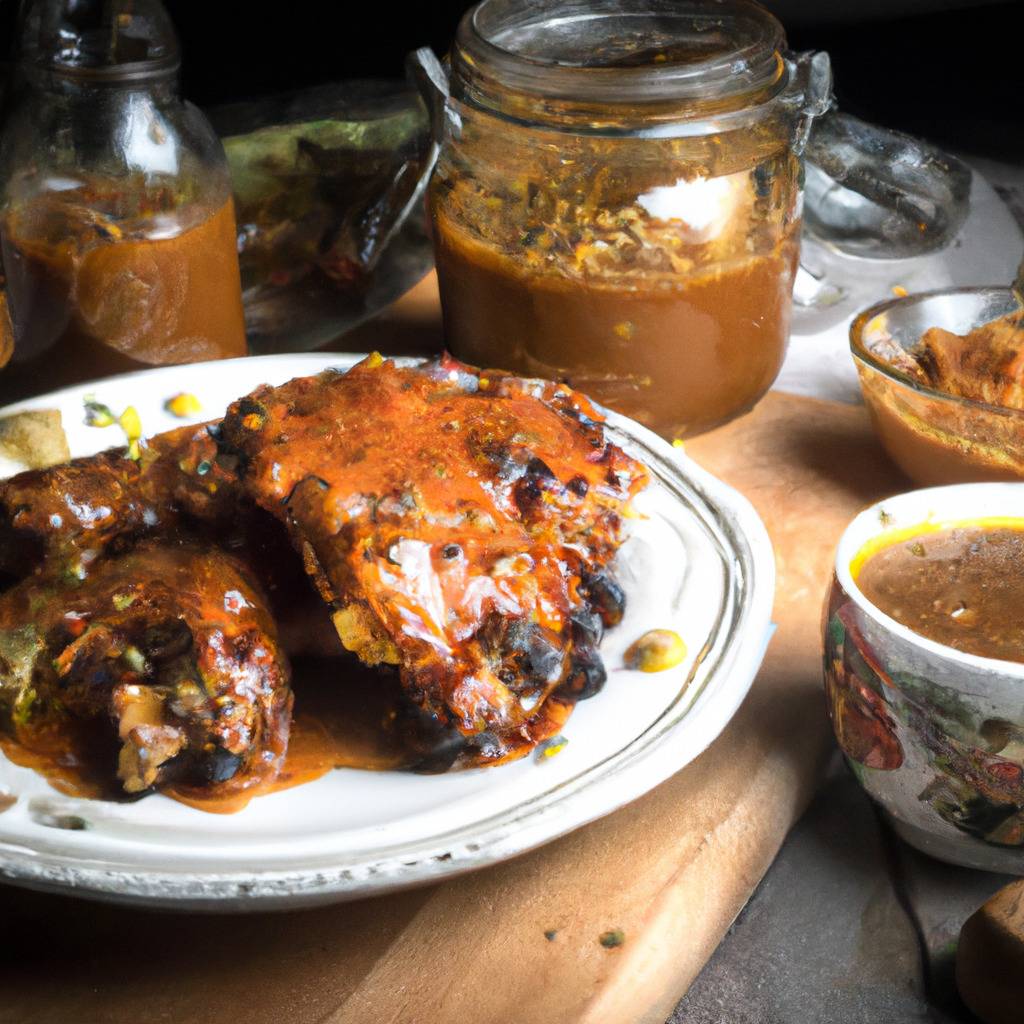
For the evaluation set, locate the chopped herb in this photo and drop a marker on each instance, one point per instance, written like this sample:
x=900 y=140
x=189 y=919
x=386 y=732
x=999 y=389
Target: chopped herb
x=204 y=467
x=549 y=748
x=550 y=934
x=612 y=939
x=123 y=601
x=97 y=414
x=130 y=423
x=134 y=659
x=22 y=710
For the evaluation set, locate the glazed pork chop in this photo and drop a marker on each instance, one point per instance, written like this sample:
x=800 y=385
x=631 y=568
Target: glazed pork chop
x=169 y=651
x=460 y=524
x=67 y=516
x=63 y=520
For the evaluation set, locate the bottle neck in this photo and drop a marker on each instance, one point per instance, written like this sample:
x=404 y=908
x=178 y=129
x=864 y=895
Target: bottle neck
x=161 y=84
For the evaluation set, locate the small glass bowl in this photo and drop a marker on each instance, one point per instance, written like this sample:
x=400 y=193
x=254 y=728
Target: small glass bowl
x=935 y=438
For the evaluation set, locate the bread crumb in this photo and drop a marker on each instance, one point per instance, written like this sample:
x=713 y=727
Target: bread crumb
x=33 y=440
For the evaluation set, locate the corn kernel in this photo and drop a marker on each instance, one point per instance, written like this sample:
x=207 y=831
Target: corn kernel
x=183 y=405
x=656 y=651
x=130 y=423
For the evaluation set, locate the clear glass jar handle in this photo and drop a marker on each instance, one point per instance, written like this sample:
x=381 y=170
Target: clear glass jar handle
x=871 y=191
x=430 y=79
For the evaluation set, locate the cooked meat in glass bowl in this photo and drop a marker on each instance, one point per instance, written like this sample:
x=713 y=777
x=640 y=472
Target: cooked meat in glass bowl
x=942 y=374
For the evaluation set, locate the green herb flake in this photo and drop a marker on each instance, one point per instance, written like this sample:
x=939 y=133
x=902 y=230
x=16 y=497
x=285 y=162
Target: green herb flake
x=612 y=939
x=23 y=705
x=123 y=601
x=97 y=414
x=134 y=659
x=550 y=748
x=204 y=467
x=550 y=934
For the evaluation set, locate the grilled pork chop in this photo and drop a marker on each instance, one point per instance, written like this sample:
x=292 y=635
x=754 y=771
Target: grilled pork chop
x=169 y=650
x=460 y=523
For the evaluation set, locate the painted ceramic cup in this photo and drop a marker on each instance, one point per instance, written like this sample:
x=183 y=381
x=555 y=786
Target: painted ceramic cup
x=934 y=735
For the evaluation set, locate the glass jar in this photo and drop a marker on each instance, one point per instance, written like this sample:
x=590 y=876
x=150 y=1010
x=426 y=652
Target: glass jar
x=617 y=199
x=116 y=221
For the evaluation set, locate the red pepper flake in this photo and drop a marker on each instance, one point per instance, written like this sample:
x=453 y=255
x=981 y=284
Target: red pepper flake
x=75 y=623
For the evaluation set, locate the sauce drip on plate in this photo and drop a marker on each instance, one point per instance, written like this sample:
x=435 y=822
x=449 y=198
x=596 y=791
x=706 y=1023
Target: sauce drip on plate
x=345 y=717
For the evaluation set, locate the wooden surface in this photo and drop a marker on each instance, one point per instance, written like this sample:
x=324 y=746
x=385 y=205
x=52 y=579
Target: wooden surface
x=670 y=871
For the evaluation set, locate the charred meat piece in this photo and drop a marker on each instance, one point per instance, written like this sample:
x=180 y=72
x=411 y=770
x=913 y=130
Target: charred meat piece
x=460 y=524
x=169 y=646
x=62 y=520
x=985 y=365
x=70 y=514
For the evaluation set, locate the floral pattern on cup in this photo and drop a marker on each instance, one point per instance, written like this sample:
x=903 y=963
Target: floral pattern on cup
x=971 y=764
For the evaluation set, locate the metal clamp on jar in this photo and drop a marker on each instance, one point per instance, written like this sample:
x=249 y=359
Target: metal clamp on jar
x=617 y=199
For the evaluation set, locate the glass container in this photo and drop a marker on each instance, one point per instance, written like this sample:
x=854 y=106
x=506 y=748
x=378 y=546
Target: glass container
x=116 y=221
x=935 y=438
x=617 y=199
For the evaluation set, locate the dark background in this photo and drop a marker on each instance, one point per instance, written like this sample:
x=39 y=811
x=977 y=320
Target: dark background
x=951 y=70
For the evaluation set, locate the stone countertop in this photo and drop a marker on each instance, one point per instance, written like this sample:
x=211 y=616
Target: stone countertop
x=849 y=926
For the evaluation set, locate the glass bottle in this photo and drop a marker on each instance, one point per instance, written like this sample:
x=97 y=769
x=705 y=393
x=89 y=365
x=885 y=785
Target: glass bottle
x=116 y=222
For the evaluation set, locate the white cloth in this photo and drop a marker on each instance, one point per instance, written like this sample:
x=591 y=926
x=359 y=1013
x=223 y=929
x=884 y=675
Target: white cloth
x=986 y=251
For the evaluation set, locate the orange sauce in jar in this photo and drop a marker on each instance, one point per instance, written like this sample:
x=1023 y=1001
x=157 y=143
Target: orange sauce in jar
x=679 y=353
x=92 y=293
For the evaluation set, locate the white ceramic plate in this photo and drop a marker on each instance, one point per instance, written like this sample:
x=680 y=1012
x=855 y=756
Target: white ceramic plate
x=700 y=563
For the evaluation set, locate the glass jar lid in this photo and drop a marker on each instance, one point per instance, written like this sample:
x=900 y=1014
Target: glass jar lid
x=98 y=39
x=646 y=55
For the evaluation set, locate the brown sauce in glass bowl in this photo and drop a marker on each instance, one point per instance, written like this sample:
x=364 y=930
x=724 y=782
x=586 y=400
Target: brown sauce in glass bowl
x=962 y=586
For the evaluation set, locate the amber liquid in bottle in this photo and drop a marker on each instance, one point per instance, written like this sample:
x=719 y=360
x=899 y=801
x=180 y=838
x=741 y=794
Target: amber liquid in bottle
x=90 y=297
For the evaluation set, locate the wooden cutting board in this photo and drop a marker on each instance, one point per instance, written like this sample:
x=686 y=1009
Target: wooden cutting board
x=519 y=943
